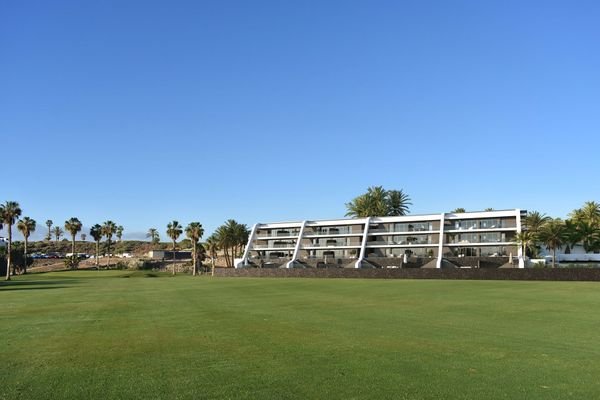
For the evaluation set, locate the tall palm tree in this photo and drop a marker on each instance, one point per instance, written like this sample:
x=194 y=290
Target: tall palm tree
x=535 y=220
x=153 y=235
x=96 y=233
x=378 y=202
x=589 y=235
x=108 y=229
x=231 y=237
x=370 y=204
x=173 y=231
x=9 y=212
x=73 y=226
x=119 y=232
x=572 y=235
x=398 y=202
x=49 y=225
x=26 y=226
x=212 y=244
x=58 y=232
x=194 y=232
x=527 y=240
x=552 y=234
x=590 y=213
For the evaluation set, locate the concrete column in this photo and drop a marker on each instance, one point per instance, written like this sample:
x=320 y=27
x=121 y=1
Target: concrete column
x=521 y=255
x=298 y=244
x=249 y=245
x=363 y=246
x=440 y=242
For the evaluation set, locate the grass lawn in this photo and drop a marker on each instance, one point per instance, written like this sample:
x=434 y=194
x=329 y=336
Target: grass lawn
x=121 y=335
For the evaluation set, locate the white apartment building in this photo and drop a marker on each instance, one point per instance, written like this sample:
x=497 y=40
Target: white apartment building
x=430 y=241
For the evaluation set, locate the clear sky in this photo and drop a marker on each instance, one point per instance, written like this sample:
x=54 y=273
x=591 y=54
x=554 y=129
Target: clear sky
x=148 y=111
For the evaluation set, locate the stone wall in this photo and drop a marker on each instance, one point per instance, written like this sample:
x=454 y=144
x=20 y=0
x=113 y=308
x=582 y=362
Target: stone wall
x=527 y=274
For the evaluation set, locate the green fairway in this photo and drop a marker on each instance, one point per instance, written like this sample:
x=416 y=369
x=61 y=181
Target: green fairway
x=89 y=334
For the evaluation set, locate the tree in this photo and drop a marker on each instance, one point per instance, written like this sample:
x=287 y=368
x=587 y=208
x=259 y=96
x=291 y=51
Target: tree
x=587 y=220
x=73 y=226
x=572 y=235
x=173 y=231
x=9 y=212
x=212 y=244
x=378 y=202
x=97 y=233
x=398 y=202
x=527 y=241
x=231 y=237
x=590 y=213
x=552 y=234
x=153 y=235
x=458 y=210
x=49 y=225
x=119 y=232
x=26 y=226
x=589 y=235
x=108 y=229
x=83 y=237
x=535 y=220
x=489 y=209
x=58 y=232
x=194 y=232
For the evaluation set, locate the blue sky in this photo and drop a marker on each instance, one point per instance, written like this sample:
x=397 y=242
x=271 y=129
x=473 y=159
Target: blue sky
x=148 y=111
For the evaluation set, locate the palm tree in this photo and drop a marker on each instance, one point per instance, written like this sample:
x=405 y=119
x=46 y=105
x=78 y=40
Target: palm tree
x=173 y=231
x=589 y=235
x=212 y=244
x=58 y=232
x=535 y=220
x=370 y=204
x=552 y=234
x=398 y=202
x=96 y=233
x=194 y=232
x=26 y=226
x=572 y=235
x=231 y=237
x=73 y=226
x=153 y=235
x=9 y=212
x=527 y=240
x=590 y=213
x=49 y=225
x=378 y=202
x=119 y=232
x=108 y=229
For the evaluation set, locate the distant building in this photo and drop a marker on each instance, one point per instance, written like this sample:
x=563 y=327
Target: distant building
x=168 y=255
x=472 y=239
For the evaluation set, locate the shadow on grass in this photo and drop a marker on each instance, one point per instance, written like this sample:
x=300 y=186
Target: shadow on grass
x=3 y=288
x=145 y=274
x=31 y=285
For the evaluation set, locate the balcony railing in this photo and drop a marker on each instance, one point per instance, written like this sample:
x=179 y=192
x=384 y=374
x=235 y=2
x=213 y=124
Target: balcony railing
x=277 y=234
x=274 y=246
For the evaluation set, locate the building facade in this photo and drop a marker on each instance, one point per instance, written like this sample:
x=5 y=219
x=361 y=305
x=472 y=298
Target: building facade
x=473 y=239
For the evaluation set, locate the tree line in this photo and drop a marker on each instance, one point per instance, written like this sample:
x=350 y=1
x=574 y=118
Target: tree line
x=231 y=237
x=581 y=228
